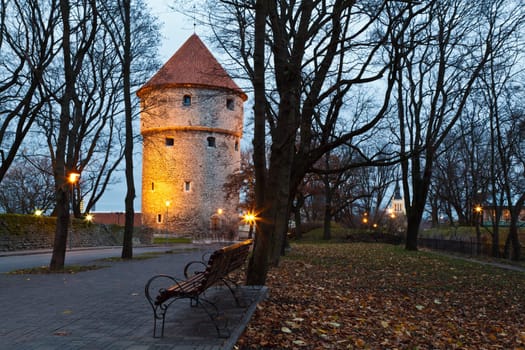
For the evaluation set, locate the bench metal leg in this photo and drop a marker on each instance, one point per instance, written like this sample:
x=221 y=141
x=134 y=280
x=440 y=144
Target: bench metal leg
x=159 y=311
x=234 y=290
x=209 y=307
x=214 y=317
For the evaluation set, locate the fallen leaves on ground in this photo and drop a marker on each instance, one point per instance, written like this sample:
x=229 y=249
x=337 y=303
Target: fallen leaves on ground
x=374 y=296
x=69 y=269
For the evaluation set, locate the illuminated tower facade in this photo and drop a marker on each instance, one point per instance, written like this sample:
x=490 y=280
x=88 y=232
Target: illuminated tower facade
x=397 y=204
x=191 y=124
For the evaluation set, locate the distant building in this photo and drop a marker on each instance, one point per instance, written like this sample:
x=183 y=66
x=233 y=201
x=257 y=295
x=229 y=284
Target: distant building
x=489 y=214
x=115 y=218
x=191 y=124
x=397 y=204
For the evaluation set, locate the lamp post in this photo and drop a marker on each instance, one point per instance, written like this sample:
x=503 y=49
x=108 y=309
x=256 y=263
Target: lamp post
x=72 y=178
x=478 y=210
x=218 y=230
x=38 y=214
x=167 y=203
x=365 y=221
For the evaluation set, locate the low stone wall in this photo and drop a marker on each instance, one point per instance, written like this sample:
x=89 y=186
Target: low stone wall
x=26 y=232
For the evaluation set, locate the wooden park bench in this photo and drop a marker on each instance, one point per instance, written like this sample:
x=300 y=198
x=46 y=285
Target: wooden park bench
x=216 y=269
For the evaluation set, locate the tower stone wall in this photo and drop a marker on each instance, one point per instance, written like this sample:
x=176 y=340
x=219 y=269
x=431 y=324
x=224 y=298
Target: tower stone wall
x=191 y=144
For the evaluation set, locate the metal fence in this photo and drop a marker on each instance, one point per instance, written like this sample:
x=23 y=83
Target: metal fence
x=465 y=246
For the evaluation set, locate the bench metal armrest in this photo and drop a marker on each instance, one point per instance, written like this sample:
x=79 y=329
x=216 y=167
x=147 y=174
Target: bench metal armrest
x=148 y=288
x=206 y=256
x=190 y=269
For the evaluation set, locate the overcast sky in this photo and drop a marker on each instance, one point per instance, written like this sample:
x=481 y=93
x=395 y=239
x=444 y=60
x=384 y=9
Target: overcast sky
x=175 y=29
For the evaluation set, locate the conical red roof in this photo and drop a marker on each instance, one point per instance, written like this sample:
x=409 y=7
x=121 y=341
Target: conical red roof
x=192 y=65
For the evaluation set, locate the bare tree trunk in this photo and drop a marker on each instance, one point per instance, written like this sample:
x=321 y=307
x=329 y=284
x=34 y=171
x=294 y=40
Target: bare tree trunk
x=327 y=232
x=258 y=264
x=67 y=152
x=127 y=245
x=278 y=185
x=420 y=184
x=413 y=223
x=62 y=192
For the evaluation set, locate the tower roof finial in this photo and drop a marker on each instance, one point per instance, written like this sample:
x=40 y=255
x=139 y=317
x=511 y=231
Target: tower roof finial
x=194 y=22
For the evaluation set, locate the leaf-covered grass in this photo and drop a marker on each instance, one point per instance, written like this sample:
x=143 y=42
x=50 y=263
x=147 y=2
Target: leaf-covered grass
x=137 y=257
x=143 y=256
x=68 y=269
x=338 y=233
x=375 y=296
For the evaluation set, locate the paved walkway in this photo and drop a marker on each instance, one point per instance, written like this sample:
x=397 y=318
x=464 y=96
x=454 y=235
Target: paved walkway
x=106 y=309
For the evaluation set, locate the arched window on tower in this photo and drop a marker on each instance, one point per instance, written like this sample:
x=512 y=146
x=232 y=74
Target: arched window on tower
x=236 y=145
x=186 y=100
x=230 y=104
x=211 y=141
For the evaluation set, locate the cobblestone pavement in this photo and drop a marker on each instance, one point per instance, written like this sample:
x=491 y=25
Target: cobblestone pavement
x=107 y=309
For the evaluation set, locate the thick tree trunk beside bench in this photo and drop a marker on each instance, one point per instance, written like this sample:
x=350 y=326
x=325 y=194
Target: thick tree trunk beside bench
x=217 y=268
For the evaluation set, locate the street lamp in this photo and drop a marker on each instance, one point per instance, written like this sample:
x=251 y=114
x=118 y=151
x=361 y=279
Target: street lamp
x=391 y=213
x=167 y=203
x=249 y=218
x=73 y=178
x=38 y=214
x=478 y=217
x=89 y=218
x=218 y=227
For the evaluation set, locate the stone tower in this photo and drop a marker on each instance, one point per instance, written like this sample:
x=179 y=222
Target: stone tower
x=191 y=124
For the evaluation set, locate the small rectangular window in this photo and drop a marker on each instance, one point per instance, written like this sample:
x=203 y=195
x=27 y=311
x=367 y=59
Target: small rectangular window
x=153 y=186
x=211 y=141
x=230 y=104
x=169 y=141
x=186 y=100
x=236 y=145
x=187 y=186
x=159 y=218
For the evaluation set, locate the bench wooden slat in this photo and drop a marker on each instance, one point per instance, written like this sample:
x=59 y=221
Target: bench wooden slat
x=187 y=287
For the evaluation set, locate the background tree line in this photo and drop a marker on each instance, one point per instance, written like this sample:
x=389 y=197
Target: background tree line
x=66 y=73
x=378 y=83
